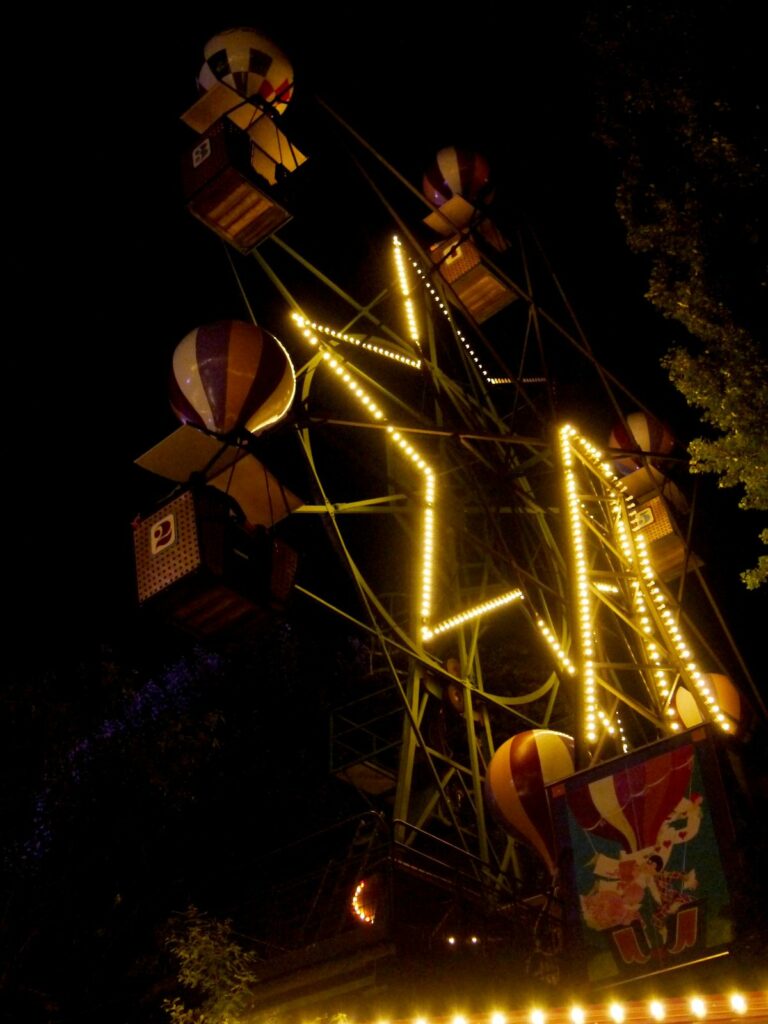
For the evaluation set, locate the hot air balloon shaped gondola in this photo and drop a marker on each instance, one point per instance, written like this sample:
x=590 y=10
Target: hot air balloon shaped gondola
x=515 y=785
x=231 y=175
x=725 y=705
x=456 y=171
x=243 y=77
x=208 y=559
x=231 y=376
x=458 y=183
x=644 y=441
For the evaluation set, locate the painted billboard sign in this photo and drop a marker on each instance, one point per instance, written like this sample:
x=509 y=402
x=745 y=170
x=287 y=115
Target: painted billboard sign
x=641 y=867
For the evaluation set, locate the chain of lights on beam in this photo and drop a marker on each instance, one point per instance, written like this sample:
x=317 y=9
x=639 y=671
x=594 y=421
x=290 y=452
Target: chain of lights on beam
x=350 y=339
x=633 y=548
x=611 y=726
x=407 y=449
x=584 y=627
x=681 y=1009
x=614 y=727
x=606 y=588
x=434 y=295
x=472 y=613
x=570 y=668
x=635 y=551
x=430 y=493
x=405 y=290
x=662 y=676
x=630 y=546
x=554 y=643
x=675 y=634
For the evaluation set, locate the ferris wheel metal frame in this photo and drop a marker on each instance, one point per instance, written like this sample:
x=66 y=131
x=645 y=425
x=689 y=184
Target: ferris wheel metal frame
x=504 y=516
x=439 y=807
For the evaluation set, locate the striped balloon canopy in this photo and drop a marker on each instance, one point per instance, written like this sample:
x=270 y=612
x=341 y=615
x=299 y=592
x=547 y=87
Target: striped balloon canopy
x=459 y=172
x=639 y=805
x=515 y=785
x=726 y=702
x=250 y=64
x=641 y=433
x=230 y=376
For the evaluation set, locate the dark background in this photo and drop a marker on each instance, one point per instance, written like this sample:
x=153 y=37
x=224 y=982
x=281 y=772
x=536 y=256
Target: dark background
x=127 y=786
x=113 y=272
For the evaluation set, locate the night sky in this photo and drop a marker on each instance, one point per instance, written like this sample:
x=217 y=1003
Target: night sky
x=108 y=272
x=115 y=272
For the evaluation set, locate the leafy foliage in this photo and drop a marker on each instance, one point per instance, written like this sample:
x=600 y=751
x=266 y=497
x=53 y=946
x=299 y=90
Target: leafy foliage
x=214 y=965
x=730 y=385
x=219 y=972
x=691 y=177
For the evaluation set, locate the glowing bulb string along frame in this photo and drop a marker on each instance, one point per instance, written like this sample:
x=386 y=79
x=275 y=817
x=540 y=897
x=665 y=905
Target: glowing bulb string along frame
x=369 y=346
x=405 y=290
x=428 y=629
x=666 y=652
x=601 y=515
x=716 y=1008
x=428 y=525
x=473 y=361
x=468 y=407
x=665 y=663
x=471 y=613
x=471 y=785
x=435 y=297
x=414 y=708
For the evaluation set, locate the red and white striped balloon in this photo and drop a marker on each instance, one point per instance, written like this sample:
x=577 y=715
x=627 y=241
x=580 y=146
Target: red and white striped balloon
x=250 y=64
x=515 y=785
x=642 y=433
x=230 y=376
x=456 y=172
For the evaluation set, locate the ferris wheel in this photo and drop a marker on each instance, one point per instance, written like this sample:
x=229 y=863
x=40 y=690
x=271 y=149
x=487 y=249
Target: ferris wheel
x=520 y=583
x=529 y=602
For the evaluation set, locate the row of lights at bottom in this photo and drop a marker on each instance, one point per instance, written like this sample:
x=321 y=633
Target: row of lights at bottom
x=736 y=1006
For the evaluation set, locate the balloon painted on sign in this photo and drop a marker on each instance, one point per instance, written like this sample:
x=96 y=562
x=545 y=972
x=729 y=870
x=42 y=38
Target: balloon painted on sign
x=643 y=847
x=231 y=376
x=639 y=806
